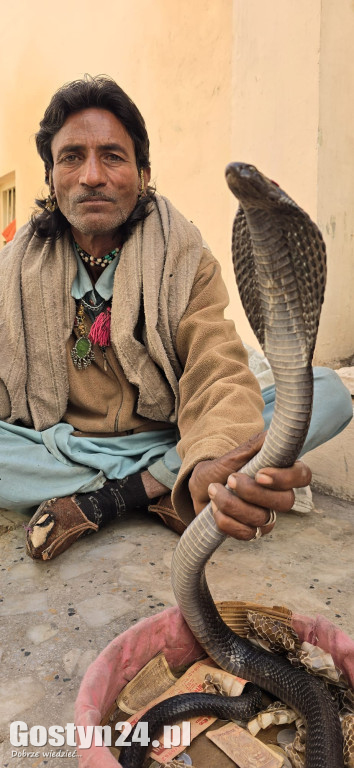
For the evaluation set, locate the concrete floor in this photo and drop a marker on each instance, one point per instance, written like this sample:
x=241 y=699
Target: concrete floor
x=57 y=616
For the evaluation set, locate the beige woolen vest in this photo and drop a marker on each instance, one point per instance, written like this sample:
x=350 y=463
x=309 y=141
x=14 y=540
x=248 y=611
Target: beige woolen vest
x=155 y=275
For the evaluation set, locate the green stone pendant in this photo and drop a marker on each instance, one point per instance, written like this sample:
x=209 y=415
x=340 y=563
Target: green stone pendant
x=82 y=353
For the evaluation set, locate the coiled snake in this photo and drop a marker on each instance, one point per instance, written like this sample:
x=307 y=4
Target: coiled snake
x=280 y=267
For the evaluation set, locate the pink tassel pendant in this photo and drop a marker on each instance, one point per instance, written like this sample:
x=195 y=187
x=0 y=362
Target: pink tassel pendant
x=100 y=332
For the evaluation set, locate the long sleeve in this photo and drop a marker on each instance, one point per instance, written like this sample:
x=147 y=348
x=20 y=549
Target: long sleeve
x=220 y=400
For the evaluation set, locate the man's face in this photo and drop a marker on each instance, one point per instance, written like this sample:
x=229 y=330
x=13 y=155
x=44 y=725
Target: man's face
x=95 y=176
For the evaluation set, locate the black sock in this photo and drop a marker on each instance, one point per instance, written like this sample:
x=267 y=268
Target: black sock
x=115 y=499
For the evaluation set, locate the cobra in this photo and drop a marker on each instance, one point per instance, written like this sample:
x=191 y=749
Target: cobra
x=280 y=267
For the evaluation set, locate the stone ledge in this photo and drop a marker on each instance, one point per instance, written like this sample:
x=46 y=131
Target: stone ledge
x=347 y=376
x=332 y=465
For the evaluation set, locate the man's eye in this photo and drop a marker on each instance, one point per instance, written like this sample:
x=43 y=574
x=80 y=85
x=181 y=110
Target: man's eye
x=113 y=158
x=69 y=158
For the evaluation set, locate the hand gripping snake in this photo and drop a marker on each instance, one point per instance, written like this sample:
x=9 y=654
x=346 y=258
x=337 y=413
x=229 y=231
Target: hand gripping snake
x=280 y=267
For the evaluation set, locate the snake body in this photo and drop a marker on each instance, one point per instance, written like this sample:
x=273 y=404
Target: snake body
x=280 y=267
x=170 y=711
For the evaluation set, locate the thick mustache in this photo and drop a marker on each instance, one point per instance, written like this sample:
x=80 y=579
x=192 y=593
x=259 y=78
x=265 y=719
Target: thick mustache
x=94 y=196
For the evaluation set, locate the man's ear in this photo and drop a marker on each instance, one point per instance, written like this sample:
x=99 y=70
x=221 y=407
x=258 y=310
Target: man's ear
x=147 y=176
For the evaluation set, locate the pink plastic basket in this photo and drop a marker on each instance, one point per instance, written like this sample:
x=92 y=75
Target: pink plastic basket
x=120 y=661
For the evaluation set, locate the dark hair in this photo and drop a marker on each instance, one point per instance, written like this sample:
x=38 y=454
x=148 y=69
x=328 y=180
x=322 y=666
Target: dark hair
x=102 y=92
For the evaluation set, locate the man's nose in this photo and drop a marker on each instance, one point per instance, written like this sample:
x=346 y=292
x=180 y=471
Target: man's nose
x=92 y=172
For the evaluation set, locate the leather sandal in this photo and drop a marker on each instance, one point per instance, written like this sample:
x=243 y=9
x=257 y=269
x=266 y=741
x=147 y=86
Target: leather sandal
x=56 y=524
x=165 y=509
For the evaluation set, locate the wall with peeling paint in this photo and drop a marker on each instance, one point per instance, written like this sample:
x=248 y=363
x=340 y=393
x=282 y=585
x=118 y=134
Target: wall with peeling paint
x=270 y=82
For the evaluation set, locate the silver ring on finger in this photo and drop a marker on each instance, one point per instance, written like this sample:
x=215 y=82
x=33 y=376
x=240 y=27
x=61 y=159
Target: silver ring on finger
x=271 y=521
x=257 y=535
x=272 y=518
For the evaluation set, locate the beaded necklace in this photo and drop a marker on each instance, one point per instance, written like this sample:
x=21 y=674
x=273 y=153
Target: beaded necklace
x=82 y=353
x=94 y=261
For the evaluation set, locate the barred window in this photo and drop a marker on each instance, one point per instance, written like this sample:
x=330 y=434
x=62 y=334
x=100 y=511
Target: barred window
x=7 y=204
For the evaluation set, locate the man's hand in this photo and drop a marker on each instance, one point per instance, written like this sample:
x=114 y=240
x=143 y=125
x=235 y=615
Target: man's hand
x=240 y=511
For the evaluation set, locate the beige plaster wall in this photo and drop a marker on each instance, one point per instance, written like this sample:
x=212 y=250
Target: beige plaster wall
x=336 y=178
x=275 y=98
x=266 y=81
x=174 y=60
x=293 y=117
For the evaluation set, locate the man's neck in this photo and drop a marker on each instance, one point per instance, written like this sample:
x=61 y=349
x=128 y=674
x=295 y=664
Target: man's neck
x=93 y=272
x=97 y=245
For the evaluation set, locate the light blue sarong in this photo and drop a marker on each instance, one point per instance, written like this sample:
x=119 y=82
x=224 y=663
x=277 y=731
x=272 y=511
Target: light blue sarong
x=41 y=465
